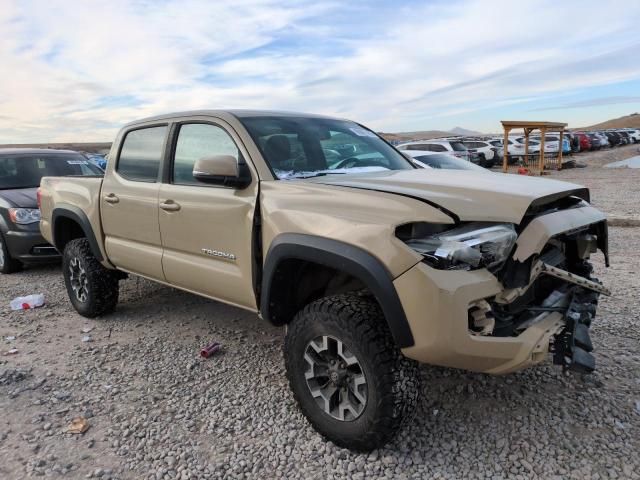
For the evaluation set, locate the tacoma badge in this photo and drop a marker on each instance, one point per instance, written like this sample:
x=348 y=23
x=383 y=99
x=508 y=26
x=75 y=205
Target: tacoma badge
x=216 y=253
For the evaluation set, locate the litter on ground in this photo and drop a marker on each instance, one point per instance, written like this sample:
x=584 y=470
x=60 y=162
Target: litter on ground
x=210 y=349
x=78 y=425
x=25 y=303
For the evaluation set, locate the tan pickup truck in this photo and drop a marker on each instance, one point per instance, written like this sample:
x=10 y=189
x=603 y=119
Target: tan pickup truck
x=318 y=224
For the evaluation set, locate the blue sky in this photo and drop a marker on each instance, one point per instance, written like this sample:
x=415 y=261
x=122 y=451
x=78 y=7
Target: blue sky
x=76 y=71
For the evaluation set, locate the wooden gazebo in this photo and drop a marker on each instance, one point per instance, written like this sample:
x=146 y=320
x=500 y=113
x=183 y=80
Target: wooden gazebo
x=533 y=165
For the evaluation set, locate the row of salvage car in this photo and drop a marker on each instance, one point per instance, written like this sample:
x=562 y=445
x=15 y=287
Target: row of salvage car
x=487 y=151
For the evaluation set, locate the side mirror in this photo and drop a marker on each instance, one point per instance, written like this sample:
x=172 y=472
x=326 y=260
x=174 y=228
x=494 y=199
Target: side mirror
x=224 y=170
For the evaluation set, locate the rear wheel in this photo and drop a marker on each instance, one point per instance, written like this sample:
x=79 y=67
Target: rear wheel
x=8 y=264
x=351 y=381
x=93 y=290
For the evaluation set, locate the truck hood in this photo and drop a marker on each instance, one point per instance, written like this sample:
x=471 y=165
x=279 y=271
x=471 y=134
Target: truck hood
x=491 y=197
x=20 y=197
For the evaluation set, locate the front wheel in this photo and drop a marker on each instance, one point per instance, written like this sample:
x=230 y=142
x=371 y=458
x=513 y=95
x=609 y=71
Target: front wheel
x=93 y=289
x=351 y=381
x=8 y=264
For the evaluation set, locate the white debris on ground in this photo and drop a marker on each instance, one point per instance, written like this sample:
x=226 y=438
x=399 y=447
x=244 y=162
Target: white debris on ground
x=633 y=162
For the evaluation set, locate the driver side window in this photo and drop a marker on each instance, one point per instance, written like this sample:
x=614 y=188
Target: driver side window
x=195 y=141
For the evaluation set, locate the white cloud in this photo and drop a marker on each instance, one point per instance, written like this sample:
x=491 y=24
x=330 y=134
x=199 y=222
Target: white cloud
x=78 y=70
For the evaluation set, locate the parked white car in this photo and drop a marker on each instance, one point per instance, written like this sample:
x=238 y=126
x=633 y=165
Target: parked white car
x=452 y=146
x=484 y=149
x=427 y=159
x=516 y=148
x=634 y=133
x=551 y=143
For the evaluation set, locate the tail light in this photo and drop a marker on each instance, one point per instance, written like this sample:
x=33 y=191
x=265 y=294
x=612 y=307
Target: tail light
x=39 y=198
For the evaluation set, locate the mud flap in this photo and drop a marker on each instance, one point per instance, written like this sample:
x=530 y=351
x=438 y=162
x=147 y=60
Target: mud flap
x=572 y=346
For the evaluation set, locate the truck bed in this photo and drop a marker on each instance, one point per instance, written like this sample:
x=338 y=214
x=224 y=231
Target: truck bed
x=81 y=194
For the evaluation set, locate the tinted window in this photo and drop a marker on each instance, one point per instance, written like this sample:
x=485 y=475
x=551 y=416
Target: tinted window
x=417 y=147
x=458 y=146
x=141 y=153
x=26 y=170
x=196 y=141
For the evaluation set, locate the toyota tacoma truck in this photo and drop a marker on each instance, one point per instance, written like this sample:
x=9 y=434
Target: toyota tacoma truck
x=318 y=224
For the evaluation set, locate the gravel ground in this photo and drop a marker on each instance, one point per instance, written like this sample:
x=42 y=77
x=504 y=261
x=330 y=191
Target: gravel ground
x=156 y=410
x=614 y=190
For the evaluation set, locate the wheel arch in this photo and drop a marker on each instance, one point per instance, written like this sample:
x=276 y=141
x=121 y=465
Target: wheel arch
x=299 y=249
x=70 y=222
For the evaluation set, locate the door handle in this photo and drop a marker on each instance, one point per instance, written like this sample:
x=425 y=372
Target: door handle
x=170 y=206
x=111 y=198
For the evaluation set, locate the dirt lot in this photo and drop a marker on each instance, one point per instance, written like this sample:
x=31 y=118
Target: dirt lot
x=156 y=410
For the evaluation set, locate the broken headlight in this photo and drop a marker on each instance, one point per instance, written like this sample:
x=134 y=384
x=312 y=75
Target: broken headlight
x=473 y=245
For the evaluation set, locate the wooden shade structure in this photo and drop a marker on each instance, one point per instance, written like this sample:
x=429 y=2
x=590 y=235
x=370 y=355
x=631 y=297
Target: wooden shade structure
x=534 y=165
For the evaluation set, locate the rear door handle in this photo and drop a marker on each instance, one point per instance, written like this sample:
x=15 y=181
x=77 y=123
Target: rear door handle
x=170 y=206
x=111 y=198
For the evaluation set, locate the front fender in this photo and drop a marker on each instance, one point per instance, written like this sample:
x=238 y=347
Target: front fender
x=342 y=257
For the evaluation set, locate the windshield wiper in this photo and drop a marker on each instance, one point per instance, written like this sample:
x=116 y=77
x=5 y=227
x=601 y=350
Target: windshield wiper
x=317 y=174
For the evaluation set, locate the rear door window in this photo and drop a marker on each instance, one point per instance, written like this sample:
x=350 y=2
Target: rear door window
x=141 y=154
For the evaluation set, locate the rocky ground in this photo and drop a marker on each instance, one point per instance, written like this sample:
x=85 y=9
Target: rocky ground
x=156 y=410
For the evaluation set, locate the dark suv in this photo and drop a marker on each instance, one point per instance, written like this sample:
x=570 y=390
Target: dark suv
x=20 y=174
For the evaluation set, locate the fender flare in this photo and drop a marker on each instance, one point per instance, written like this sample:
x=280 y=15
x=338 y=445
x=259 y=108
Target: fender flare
x=74 y=213
x=346 y=258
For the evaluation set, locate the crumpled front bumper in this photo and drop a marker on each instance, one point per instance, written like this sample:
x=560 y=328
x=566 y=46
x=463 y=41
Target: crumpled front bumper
x=437 y=302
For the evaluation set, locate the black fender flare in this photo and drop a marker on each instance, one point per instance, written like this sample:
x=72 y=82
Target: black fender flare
x=343 y=257
x=64 y=210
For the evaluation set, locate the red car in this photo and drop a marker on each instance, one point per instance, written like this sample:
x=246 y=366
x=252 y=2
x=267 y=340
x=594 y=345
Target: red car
x=585 y=141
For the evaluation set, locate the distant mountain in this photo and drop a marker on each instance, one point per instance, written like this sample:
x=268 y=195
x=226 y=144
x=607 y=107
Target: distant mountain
x=408 y=136
x=465 y=132
x=427 y=134
x=628 y=121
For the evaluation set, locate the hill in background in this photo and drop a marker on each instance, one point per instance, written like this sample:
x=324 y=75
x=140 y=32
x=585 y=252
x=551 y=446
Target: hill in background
x=427 y=134
x=408 y=136
x=466 y=132
x=628 y=121
x=93 y=147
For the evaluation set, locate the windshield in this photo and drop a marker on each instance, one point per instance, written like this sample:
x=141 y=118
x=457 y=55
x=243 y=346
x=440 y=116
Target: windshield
x=449 y=162
x=299 y=147
x=26 y=170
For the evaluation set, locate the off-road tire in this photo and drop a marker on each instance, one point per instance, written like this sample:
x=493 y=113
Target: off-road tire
x=8 y=264
x=392 y=379
x=102 y=283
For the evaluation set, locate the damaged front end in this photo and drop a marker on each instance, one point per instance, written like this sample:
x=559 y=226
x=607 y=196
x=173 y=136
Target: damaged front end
x=549 y=274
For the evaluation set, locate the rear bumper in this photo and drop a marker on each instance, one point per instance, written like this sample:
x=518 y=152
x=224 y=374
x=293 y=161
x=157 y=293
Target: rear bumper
x=30 y=247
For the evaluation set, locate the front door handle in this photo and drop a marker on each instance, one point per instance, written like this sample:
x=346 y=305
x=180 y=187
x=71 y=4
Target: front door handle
x=111 y=198
x=170 y=206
